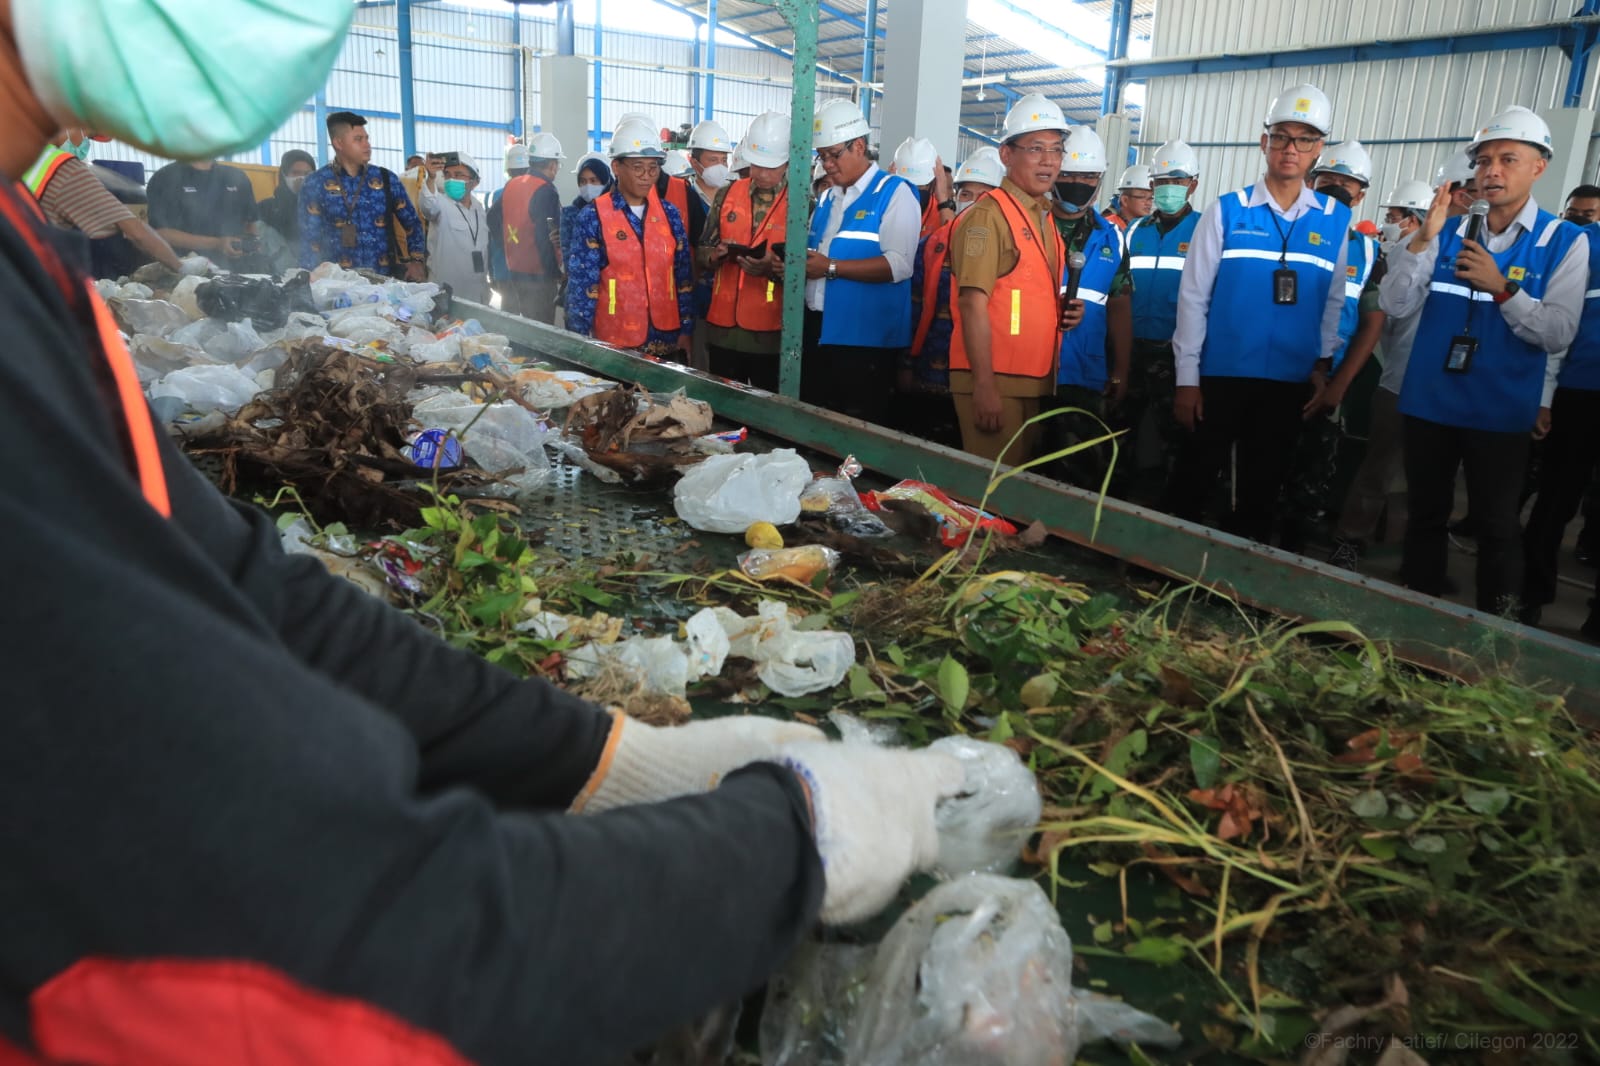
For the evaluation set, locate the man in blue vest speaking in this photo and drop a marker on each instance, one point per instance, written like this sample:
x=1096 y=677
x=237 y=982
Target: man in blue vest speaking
x=1258 y=321
x=860 y=256
x=1498 y=292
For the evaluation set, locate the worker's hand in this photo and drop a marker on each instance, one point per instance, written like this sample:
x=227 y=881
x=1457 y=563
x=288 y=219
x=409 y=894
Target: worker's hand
x=769 y=266
x=1475 y=265
x=816 y=264
x=685 y=342
x=1325 y=397
x=987 y=413
x=416 y=271
x=1071 y=314
x=649 y=764
x=1542 y=424
x=873 y=819
x=1116 y=391
x=943 y=184
x=717 y=254
x=232 y=247
x=1188 y=407
x=1433 y=223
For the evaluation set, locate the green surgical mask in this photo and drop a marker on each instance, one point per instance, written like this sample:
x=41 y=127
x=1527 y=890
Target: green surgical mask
x=1170 y=198
x=229 y=71
x=80 y=150
x=455 y=188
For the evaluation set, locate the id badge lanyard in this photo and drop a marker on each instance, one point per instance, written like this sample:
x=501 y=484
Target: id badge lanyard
x=477 y=256
x=1285 y=282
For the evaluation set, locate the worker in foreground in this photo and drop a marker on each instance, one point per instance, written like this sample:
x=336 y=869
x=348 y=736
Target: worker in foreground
x=73 y=198
x=254 y=816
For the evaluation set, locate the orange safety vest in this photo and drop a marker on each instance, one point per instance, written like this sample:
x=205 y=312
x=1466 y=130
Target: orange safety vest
x=637 y=285
x=517 y=230
x=678 y=196
x=144 y=454
x=1115 y=219
x=1025 y=307
x=44 y=168
x=737 y=298
x=930 y=218
x=935 y=251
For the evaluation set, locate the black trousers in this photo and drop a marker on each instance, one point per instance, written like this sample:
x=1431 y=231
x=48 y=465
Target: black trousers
x=752 y=368
x=854 y=381
x=1082 y=419
x=1571 y=455
x=1494 y=465
x=1263 y=418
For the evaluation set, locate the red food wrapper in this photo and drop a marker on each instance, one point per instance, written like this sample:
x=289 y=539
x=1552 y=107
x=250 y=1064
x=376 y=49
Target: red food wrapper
x=957 y=521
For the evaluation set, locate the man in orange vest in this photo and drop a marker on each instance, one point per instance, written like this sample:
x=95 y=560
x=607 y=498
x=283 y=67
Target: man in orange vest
x=1006 y=262
x=744 y=232
x=530 y=221
x=630 y=282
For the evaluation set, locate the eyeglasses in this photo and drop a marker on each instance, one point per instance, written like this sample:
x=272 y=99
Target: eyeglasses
x=831 y=155
x=1280 y=141
x=1037 y=153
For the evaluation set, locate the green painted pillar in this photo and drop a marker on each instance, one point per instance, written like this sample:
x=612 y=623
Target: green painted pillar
x=802 y=18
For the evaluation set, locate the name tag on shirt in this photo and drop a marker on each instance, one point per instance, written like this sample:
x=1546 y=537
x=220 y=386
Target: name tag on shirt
x=1285 y=287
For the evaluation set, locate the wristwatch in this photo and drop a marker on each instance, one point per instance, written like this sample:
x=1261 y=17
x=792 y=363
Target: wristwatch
x=833 y=271
x=947 y=205
x=1512 y=288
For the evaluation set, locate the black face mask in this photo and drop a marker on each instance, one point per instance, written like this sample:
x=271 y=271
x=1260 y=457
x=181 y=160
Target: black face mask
x=1075 y=195
x=1338 y=192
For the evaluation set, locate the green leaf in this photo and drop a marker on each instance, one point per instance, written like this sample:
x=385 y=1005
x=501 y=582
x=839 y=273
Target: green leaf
x=844 y=599
x=1486 y=801
x=862 y=687
x=1205 y=757
x=1378 y=847
x=953 y=685
x=1039 y=690
x=895 y=655
x=288 y=519
x=1103 y=933
x=1105 y=869
x=1370 y=804
x=1002 y=731
x=592 y=594
x=1161 y=950
x=493 y=607
x=471 y=559
x=1122 y=755
x=1512 y=1007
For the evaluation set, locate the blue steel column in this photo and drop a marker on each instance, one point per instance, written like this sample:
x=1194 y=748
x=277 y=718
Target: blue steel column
x=869 y=57
x=711 y=56
x=516 y=71
x=1116 y=77
x=1583 y=42
x=320 y=108
x=408 y=103
x=694 y=79
x=597 y=53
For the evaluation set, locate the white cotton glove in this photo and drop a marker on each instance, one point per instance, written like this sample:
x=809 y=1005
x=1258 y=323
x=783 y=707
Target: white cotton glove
x=647 y=764
x=873 y=819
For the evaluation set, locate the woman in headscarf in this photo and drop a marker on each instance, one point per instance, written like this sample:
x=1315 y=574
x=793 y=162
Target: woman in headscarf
x=281 y=210
x=594 y=178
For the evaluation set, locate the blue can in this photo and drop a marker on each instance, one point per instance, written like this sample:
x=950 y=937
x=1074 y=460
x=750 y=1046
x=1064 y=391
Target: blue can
x=435 y=448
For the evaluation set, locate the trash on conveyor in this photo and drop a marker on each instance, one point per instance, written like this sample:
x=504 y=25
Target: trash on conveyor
x=957 y=521
x=799 y=566
x=555 y=389
x=647 y=439
x=730 y=493
x=984 y=828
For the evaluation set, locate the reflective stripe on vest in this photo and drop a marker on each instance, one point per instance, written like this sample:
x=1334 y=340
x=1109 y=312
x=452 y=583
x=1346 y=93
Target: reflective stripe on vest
x=637 y=287
x=1582 y=367
x=935 y=254
x=44 y=168
x=1156 y=261
x=1502 y=389
x=1024 y=308
x=517 y=229
x=1363 y=252
x=739 y=299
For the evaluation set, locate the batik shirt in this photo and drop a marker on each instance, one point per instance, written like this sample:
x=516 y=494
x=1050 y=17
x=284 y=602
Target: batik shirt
x=332 y=198
x=588 y=258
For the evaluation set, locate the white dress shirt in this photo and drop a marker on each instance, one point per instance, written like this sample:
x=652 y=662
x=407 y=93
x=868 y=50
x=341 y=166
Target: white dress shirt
x=455 y=231
x=898 y=231
x=1200 y=277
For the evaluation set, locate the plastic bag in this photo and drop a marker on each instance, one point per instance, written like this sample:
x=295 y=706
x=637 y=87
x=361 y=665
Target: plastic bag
x=504 y=437
x=155 y=358
x=303 y=324
x=447 y=350
x=551 y=389
x=810 y=1002
x=730 y=493
x=232 y=297
x=208 y=388
x=235 y=343
x=799 y=565
x=984 y=828
x=183 y=292
x=837 y=498
x=790 y=662
x=370 y=330
x=156 y=318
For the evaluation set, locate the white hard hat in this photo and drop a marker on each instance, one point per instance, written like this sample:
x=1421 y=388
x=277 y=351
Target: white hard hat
x=1084 y=152
x=545 y=146
x=766 y=142
x=710 y=136
x=737 y=160
x=516 y=156
x=470 y=163
x=1513 y=124
x=1030 y=113
x=1409 y=196
x=1349 y=159
x=1305 y=104
x=636 y=137
x=1175 y=159
x=1457 y=169
x=914 y=160
x=638 y=116
x=677 y=164
x=836 y=122
x=1135 y=177
x=586 y=158
x=817 y=173
x=983 y=165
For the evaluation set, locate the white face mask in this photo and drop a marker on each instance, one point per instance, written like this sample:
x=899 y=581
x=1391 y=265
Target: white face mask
x=714 y=177
x=962 y=205
x=590 y=192
x=295 y=182
x=1390 y=232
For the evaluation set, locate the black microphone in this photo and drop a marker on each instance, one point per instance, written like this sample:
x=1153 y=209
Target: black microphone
x=1476 y=214
x=1075 y=263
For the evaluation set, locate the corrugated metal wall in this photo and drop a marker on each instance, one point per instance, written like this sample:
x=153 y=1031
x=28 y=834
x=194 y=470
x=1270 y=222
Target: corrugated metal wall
x=464 y=71
x=1430 y=106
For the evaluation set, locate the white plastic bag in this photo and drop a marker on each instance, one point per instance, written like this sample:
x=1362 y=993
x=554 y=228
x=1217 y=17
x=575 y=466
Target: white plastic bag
x=154 y=358
x=810 y=1002
x=156 y=318
x=236 y=342
x=183 y=292
x=445 y=351
x=983 y=829
x=730 y=493
x=208 y=388
x=791 y=662
x=303 y=324
x=506 y=436
x=370 y=329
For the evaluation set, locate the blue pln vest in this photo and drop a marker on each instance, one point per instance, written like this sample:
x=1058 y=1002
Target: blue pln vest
x=855 y=313
x=1362 y=256
x=1582 y=367
x=1502 y=389
x=1083 y=350
x=1247 y=335
x=1156 y=260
